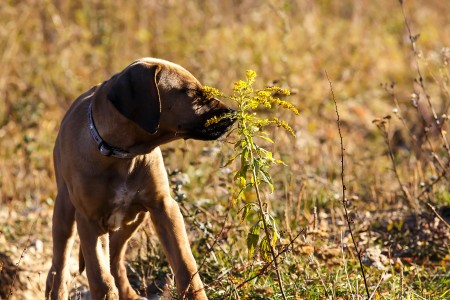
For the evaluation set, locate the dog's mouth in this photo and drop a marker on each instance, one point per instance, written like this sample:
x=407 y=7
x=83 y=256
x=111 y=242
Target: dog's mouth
x=214 y=130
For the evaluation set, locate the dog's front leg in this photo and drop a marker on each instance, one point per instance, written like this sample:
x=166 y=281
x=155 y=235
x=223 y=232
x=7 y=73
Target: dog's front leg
x=171 y=231
x=118 y=243
x=95 y=247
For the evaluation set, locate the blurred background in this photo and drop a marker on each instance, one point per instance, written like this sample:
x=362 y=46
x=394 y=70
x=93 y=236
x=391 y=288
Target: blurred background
x=52 y=51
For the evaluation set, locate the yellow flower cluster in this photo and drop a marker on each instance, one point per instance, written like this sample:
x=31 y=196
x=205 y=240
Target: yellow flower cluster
x=265 y=98
x=286 y=105
x=247 y=100
x=285 y=125
x=278 y=90
x=240 y=86
x=262 y=122
x=210 y=92
x=251 y=75
x=213 y=120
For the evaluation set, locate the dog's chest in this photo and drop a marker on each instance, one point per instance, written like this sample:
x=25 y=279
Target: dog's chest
x=123 y=198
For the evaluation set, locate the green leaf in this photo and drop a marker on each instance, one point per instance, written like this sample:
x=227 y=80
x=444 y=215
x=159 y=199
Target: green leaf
x=265 y=177
x=231 y=159
x=268 y=220
x=242 y=172
x=245 y=212
x=280 y=162
x=244 y=156
x=252 y=240
x=241 y=182
x=268 y=155
x=243 y=144
x=239 y=195
x=256 y=165
x=264 y=249
x=242 y=195
x=274 y=237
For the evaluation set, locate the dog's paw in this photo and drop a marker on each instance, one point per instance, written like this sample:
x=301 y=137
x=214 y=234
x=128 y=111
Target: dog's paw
x=80 y=292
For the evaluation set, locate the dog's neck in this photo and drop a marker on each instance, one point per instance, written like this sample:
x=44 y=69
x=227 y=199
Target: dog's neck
x=118 y=131
x=105 y=148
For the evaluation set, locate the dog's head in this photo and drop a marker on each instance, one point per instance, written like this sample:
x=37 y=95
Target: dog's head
x=164 y=98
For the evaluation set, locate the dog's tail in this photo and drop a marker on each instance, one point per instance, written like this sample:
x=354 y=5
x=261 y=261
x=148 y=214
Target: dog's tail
x=81 y=261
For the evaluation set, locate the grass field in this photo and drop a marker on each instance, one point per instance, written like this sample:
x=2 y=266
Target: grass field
x=392 y=96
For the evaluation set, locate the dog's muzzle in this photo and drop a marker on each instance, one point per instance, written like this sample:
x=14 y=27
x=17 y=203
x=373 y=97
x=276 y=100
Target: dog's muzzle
x=216 y=130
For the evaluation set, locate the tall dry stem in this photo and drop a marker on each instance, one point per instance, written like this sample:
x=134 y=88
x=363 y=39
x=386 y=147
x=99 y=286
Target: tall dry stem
x=344 y=199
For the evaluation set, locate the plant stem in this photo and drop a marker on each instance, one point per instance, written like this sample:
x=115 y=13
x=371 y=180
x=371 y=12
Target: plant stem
x=344 y=201
x=412 y=39
x=395 y=169
x=268 y=236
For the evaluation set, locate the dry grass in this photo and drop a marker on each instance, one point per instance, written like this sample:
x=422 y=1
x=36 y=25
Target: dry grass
x=50 y=53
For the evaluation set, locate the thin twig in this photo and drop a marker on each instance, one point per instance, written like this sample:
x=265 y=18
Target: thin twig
x=11 y=287
x=378 y=285
x=443 y=173
x=437 y=215
x=345 y=264
x=413 y=39
x=344 y=201
x=385 y=133
x=391 y=92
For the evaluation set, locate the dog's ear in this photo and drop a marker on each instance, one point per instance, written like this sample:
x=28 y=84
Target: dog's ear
x=135 y=94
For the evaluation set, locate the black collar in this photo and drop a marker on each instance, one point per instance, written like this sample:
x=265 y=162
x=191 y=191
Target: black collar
x=103 y=147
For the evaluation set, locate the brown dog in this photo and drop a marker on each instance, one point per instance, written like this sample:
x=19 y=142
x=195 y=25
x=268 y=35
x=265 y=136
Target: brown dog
x=110 y=174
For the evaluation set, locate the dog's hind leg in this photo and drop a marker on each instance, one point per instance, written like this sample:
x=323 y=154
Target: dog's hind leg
x=117 y=246
x=63 y=232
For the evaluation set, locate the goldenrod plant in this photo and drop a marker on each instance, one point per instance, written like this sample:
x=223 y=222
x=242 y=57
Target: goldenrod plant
x=255 y=161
